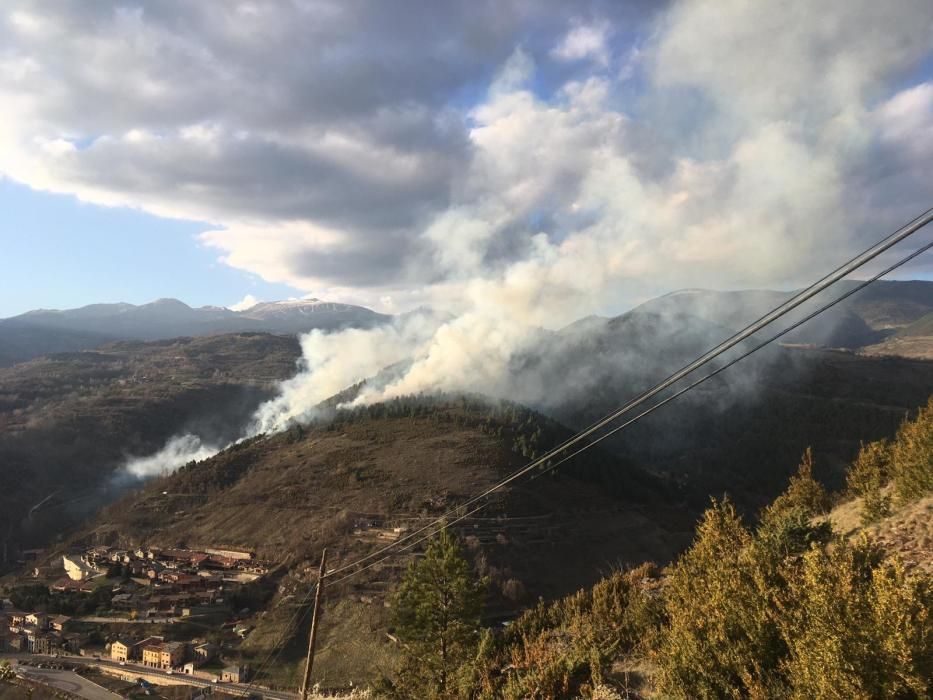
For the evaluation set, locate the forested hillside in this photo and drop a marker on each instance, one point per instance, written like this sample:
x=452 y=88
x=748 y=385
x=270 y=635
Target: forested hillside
x=346 y=483
x=785 y=606
x=68 y=421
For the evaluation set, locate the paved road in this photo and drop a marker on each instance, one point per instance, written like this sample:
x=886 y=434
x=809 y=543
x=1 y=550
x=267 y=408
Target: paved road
x=234 y=688
x=130 y=668
x=70 y=681
x=127 y=621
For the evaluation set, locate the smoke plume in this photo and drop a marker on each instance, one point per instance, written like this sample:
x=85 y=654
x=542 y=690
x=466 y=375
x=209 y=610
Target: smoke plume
x=177 y=452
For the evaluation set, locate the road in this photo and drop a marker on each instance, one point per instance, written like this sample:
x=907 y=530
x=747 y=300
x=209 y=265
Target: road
x=130 y=669
x=127 y=621
x=68 y=680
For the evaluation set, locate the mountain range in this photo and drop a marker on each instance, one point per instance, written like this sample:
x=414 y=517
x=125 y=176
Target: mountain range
x=867 y=320
x=42 y=331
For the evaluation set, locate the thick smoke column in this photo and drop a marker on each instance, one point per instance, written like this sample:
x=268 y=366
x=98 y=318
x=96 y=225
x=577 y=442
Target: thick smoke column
x=591 y=198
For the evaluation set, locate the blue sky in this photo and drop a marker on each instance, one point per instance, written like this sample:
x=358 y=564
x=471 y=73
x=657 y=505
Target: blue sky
x=58 y=252
x=546 y=159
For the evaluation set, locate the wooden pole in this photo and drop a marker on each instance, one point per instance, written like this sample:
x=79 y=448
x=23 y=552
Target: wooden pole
x=315 y=617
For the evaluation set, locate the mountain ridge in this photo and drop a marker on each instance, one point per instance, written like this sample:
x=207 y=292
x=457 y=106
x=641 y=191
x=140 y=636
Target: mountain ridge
x=39 y=331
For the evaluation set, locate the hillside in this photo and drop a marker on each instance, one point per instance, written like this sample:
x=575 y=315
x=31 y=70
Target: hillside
x=906 y=532
x=862 y=320
x=341 y=485
x=68 y=420
x=914 y=340
x=742 y=431
x=83 y=414
x=804 y=601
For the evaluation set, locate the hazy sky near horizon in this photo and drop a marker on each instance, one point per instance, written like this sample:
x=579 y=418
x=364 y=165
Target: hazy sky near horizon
x=534 y=154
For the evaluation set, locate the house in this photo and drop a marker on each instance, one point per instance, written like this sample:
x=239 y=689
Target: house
x=203 y=653
x=219 y=561
x=73 y=641
x=233 y=674
x=165 y=655
x=38 y=620
x=122 y=601
x=59 y=622
x=232 y=553
x=67 y=584
x=121 y=650
x=152 y=655
x=76 y=568
x=137 y=651
x=39 y=643
x=17 y=619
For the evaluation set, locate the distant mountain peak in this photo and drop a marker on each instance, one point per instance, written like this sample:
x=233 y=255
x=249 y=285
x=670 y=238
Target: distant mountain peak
x=168 y=301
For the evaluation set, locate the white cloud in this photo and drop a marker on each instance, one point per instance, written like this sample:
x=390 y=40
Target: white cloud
x=585 y=41
x=348 y=171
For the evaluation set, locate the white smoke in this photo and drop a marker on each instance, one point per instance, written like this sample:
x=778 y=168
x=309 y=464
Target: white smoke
x=177 y=452
x=742 y=164
x=334 y=361
x=763 y=185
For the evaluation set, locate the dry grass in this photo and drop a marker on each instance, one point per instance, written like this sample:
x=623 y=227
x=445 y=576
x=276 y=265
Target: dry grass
x=907 y=532
x=914 y=347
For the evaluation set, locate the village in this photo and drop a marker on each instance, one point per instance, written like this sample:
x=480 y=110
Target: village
x=176 y=611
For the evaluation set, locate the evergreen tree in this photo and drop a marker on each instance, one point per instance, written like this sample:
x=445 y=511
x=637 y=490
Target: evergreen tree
x=719 y=640
x=437 y=617
x=857 y=626
x=803 y=492
x=912 y=452
x=867 y=477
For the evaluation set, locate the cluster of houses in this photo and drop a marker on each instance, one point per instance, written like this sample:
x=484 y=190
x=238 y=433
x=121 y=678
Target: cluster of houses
x=155 y=652
x=150 y=583
x=38 y=633
x=163 y=582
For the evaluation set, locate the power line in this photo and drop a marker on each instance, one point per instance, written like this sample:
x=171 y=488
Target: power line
x=653 y=408
x=277 y=648
x=781 y=310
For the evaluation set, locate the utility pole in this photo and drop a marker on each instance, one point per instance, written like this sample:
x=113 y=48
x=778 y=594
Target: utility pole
x=315 y=617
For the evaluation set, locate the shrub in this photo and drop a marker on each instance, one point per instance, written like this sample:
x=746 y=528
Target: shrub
x=856 y=626
x=719 y=640
x=803 y=492
x=912 y=457
x=866 y=478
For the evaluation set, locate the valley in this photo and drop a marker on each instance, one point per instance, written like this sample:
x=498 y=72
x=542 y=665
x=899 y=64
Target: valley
x=354 y=479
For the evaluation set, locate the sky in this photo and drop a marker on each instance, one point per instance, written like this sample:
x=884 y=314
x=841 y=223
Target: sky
x=545 y=159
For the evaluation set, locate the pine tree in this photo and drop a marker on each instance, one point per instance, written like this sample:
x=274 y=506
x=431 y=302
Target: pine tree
x=436 y=615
